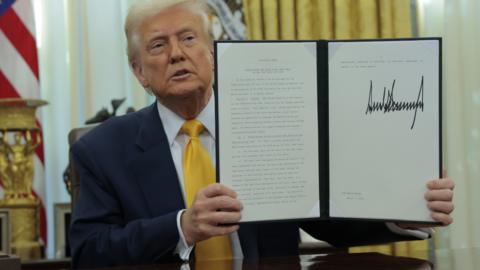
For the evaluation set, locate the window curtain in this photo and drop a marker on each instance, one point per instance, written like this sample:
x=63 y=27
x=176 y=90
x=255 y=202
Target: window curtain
x=458 y=23
x=83 y=66
x=327 y=19
x=335 y=19
x=462 y=118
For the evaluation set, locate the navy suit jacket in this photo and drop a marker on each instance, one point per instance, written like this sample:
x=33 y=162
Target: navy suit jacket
x=130 y=196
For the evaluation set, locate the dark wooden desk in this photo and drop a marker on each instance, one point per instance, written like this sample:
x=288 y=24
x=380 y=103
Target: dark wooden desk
x=462 y=259
x=9 y=262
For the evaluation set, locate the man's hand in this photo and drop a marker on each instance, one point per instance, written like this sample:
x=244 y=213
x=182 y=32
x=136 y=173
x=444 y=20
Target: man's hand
x=213 y=209
x=439 y=198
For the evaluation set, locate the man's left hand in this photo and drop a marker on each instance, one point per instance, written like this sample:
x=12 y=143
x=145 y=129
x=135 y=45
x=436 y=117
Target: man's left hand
x=439 y=198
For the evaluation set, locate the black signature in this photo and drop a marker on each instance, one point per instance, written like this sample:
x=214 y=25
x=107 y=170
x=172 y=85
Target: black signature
x=388 y=104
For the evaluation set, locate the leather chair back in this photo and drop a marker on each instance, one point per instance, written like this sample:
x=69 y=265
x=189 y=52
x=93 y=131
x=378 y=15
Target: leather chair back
x=73 y=136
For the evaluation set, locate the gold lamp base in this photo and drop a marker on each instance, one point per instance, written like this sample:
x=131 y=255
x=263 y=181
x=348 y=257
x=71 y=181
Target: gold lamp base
x=17 y=148
x=25 y=242
x=27 y=250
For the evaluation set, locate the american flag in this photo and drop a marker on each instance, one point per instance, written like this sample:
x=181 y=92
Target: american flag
x=19 y=76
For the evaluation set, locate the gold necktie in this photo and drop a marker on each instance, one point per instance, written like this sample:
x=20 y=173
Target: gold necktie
x=198 y=172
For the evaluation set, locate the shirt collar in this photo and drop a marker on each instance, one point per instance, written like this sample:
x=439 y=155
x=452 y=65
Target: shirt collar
x=172 y=122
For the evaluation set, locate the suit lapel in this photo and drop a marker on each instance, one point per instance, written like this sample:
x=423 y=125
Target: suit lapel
x=154 y=169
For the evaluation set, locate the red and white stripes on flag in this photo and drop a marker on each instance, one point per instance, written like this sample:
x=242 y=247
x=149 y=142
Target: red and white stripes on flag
x=19 y=76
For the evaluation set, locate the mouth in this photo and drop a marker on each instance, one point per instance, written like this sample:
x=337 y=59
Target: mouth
x=180 y=75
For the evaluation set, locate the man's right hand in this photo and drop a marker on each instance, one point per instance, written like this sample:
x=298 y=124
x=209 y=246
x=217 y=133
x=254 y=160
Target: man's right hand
x=213 y=209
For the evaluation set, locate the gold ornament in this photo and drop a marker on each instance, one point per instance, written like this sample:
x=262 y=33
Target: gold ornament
x=19 y=137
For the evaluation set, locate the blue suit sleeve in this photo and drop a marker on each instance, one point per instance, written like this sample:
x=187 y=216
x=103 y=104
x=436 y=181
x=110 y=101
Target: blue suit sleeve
x=100 y=235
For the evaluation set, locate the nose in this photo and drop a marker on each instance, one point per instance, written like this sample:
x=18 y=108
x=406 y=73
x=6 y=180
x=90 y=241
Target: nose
x=176 y=53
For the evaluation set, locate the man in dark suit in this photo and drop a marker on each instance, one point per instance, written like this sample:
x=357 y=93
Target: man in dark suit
x=134 y=206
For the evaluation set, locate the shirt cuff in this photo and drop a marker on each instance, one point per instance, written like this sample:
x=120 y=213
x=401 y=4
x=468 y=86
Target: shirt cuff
x=420 y=233
x=183 y=249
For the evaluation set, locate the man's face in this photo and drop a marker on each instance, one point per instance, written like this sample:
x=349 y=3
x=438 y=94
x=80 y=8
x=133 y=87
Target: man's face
x=174 y=57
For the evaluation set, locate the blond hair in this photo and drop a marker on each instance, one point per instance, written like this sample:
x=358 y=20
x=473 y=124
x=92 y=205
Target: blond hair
x=142 y=11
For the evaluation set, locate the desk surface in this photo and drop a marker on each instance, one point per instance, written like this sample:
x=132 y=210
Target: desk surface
x=461 y=259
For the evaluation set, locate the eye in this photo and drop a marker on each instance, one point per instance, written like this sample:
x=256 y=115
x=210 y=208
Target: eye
x=157 y=45
x=189 y=39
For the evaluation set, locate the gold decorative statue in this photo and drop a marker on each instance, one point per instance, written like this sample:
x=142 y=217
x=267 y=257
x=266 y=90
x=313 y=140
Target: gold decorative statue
x=19 y=137
x=16 y=164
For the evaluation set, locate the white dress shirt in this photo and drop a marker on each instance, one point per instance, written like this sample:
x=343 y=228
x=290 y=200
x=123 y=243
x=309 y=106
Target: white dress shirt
x=177 y=140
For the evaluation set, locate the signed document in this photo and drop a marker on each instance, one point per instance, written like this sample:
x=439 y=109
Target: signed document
x=384 y=127
x=329 y=129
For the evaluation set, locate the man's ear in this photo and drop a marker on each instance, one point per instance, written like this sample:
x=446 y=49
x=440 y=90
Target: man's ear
x=138 y=71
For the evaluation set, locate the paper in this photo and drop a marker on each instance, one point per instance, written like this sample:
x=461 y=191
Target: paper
x=268 y=133
x=329 y=129
x=384 y=130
